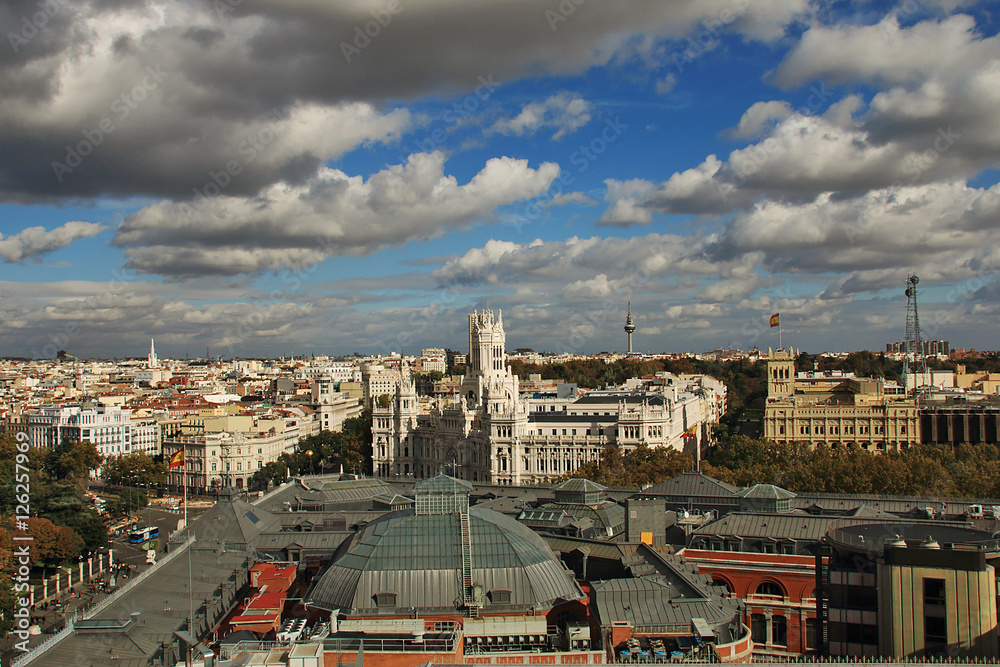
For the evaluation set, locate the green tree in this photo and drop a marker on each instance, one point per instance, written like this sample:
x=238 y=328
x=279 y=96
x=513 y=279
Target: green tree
x=351 y=447
x=129 y=500
x=73 y=460
x=424 y=382
x=138 y=469
x=272 y=473
x=64 y=505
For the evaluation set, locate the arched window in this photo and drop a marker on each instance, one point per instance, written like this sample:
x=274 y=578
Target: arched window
x=716 y=581
x=770 y=588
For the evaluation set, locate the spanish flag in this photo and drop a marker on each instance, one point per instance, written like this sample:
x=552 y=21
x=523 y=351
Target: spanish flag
x=691 y=432
x=177 y=459
x=774 y=320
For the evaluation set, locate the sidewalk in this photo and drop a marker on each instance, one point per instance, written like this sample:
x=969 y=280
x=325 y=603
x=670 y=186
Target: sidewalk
x=51 y=617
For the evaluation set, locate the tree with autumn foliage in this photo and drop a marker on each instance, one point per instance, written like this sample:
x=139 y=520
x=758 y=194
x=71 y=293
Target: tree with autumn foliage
x=641 y=467
x=57 y=478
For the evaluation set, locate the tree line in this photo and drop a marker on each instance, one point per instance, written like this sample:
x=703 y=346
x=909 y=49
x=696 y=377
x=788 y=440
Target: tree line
x=968 y=470
x=641 y=467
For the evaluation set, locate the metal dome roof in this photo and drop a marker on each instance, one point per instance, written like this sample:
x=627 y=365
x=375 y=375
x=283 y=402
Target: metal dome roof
x=418 y=557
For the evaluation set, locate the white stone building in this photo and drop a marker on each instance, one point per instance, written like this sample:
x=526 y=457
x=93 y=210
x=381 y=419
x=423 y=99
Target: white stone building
x=108 y=427
x=146 y=436
x=433 y=359
x=487 y=433
x=332 y=407
x=377 y=380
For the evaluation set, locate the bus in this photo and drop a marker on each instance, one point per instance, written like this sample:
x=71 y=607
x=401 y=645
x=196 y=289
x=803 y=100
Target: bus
x=143 y=534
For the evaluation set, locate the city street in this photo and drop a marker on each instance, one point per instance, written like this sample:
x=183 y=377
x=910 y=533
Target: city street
x=165 y=520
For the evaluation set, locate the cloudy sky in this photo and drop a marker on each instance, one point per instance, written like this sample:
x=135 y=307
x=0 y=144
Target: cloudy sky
x=274 y=177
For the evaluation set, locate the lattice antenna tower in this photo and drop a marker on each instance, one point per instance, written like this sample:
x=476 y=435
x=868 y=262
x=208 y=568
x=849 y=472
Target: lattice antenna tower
x=914 y=342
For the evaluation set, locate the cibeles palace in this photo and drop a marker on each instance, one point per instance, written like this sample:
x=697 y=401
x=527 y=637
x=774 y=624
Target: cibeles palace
x=488 y=432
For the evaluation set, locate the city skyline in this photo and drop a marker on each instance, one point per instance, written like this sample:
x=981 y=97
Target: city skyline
x=264 y=178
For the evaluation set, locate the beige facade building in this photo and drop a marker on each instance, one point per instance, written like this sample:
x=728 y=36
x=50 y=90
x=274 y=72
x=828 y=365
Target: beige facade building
x=228 y=450
x=988 y=383
x=908 y=590
x=942 y=604
x=834 y=408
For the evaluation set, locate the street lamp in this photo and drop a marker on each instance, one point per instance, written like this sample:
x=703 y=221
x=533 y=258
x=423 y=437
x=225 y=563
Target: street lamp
x=309 y=455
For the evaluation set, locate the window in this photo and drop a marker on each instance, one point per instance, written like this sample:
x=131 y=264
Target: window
x=935 y=616
x=770 y=588
x=811 y=632
x=385 y=599
x=758 y=629
x=779 y=631
x=934 y=592
x=500 y=597
x=935 y=634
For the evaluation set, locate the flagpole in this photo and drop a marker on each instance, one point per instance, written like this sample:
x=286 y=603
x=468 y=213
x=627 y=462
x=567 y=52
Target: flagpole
x=779 y=333
x=184 y=482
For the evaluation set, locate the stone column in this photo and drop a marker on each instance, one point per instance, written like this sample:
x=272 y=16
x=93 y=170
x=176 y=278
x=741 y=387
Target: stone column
x=768 y=616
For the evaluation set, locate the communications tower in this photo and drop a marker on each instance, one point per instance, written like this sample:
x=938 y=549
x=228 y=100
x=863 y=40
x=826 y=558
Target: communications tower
x=915 y=352
x=629 y=327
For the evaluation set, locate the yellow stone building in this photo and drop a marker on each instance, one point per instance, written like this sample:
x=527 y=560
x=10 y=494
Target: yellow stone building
x=834 y=408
